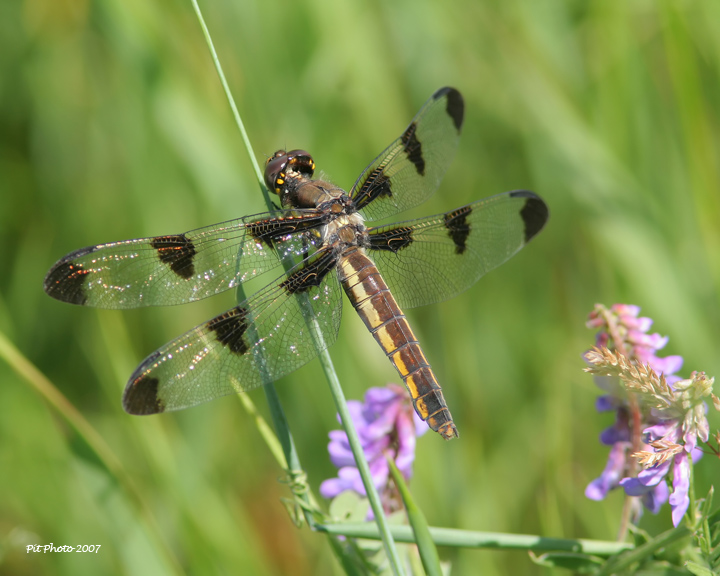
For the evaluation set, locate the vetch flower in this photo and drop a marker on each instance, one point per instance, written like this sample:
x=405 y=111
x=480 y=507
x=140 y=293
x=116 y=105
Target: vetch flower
x=613 y=473
x=650 y=486
x=387 y=425
x=623 y=330
x=677 y=420
x=679 y=500
x=681 y=411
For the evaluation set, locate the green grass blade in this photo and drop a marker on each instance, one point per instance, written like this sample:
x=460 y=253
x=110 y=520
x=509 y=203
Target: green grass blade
x=426 y=547
x=325 y=359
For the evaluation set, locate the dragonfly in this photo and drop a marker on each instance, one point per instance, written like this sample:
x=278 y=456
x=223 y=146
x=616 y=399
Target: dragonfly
x=319 y=234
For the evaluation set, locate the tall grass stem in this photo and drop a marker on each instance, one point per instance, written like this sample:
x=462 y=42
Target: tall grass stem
x=325 y=360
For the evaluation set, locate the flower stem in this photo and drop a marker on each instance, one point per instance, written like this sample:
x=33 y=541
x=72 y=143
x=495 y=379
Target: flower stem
x=280 y=423
x=629 y=502
x=292 y=460
x=380 y=519
x=474 y=539
x=324 y=356
x=231 y=100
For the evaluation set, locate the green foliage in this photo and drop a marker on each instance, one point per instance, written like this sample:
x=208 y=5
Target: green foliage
x=425 y=545
x=113 y=125
x=578 y=563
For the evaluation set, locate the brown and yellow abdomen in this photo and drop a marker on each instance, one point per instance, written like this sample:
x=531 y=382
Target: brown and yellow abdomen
x=377 y=307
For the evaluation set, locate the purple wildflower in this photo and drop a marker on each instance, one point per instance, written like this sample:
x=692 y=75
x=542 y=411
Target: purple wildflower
x=623 y=330
x=613 y=473
x=672 y=418
x=387 y=425
x=679 y=500
x=680 y=413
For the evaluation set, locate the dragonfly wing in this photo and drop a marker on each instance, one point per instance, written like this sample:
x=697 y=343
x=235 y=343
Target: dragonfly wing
x=180 y=268
x=409 y=171
x=258 y=341
x=432 y=259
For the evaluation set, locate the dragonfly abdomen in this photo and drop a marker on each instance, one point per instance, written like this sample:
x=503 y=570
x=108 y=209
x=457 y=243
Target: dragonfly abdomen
x=378 y=309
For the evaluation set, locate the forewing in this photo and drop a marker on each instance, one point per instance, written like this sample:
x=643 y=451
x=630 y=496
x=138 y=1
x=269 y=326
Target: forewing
x=432 y=259
x=180 y=268
x=409 y=171
x=258 y=341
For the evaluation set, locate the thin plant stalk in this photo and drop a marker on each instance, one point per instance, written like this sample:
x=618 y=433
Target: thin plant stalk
x=372 y=494
x=487 y=540
x=324 y=356
x=628 y=501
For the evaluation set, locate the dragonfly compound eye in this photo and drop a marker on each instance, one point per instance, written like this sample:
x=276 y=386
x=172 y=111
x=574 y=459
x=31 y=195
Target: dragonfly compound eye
x=298 y=163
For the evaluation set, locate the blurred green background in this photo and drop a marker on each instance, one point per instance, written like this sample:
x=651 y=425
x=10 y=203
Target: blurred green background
x=113 y=125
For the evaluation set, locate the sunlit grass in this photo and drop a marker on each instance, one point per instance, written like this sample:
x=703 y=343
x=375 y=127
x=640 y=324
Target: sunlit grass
x=114 y=126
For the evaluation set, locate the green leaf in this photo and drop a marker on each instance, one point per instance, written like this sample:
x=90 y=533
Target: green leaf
x=706 y=504
x=660 y=569
x=664 y=544
x=698 y=569
x=351 y=558
x=640 y=536
x=714 y=518
x=349 y=506
x=426 y=546
x=579 y=563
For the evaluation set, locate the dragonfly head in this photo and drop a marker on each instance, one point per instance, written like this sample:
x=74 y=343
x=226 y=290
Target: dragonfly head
x=287 y=165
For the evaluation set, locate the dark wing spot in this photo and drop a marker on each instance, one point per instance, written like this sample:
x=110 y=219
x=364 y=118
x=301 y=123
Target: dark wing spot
x=392 y=240
x=66 y=279
x=311 y=274
x=455 y=105
x=534 y=213
x=141 y=395
x=376 y=185
x=177 y=252
x=413 y=148
x=458 y=227
x=229 y=329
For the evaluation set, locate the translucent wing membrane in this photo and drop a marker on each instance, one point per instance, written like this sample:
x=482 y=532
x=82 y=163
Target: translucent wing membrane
x=409 y=171
x=181 y=268
x=433 y=259
x=260 y=340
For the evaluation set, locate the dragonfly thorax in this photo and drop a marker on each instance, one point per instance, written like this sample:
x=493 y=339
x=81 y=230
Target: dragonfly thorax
x=346 y=229
x=299 y=191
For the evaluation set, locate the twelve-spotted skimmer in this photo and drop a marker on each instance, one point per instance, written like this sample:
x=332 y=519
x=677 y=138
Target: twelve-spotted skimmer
x=321 y=229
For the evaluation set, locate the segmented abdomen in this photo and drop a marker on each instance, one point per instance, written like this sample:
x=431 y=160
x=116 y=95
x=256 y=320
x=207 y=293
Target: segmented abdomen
x=378 y=309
